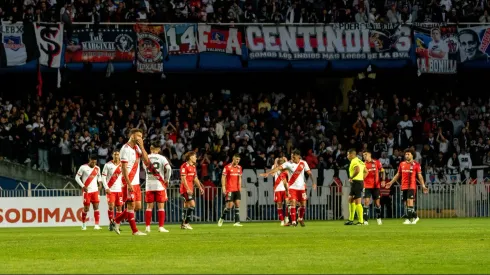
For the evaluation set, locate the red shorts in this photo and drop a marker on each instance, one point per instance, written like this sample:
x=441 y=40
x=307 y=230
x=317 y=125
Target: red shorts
x=297 y=195
x=92 y=197
x=116 y=198
x=279 y=196
x=134 y=196
x=156 y=196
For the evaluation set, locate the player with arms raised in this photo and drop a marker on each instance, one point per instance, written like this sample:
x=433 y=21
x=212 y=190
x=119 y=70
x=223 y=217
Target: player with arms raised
x=188 y=178
x=372 y=185
x=231 y=182
x=131 y=153
x=409 y=171
x=157 y=180
x=297 y=184
x=111 y=179
x=87 y=177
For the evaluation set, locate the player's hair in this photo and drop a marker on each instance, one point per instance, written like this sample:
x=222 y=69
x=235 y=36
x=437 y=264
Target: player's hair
x=435 y=29
x=352 y=150
x=116 y=151
x=368 y=151
x=296 y=152
x=188 y=155
x=155 y=145
x=408 y=150
x=280 y=161
x=134 y=131
x=236 y=155
x=93 y=157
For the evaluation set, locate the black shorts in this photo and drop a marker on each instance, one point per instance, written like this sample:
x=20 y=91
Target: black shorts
x=233 y=196
x=372 y=192
x=356 y=189
x=408 y=194
x=187 y=197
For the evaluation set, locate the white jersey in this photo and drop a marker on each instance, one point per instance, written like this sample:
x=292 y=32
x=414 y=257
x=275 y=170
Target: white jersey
x=161 y=165
x=439 y=46
x=280 y=186
x=109 y=169
x=131 y=156
x=300 y=181
x=88 y=177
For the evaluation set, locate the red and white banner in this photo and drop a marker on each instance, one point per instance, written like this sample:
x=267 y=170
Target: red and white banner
x=48 y=212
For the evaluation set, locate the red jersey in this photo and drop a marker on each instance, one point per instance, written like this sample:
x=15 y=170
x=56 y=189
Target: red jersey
x=189 y=171
x=232 y=174
x=372 y=179
x=408 y=172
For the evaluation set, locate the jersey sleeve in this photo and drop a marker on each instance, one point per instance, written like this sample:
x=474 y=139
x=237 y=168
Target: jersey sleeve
x=78 y=176
x=400 y=168
x=417 y=168
x=183 y=171
x=287 y=166
x=306 y=167
x=124 y=154
x=105 y=171
x=241 y=171
x=99 y=175
x=225 y=171
x=379 y=166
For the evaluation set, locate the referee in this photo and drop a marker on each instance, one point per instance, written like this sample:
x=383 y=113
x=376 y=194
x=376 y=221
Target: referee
x=356 y=177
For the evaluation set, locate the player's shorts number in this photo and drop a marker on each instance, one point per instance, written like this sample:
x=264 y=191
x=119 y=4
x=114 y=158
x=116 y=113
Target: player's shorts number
x=121 y=200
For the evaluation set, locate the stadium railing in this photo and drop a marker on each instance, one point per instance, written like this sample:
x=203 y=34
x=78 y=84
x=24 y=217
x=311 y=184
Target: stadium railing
x=325 y=203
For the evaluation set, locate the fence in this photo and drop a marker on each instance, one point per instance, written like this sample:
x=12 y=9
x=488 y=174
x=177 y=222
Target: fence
x=324 y=203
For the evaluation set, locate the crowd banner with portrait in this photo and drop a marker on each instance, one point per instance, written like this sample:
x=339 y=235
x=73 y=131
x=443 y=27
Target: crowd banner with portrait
x=436 y=48
x=150 y=48
x=474 y=43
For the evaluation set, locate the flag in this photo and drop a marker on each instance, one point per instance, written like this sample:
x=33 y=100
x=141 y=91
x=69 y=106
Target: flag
x=18 y=45
x=39 y=80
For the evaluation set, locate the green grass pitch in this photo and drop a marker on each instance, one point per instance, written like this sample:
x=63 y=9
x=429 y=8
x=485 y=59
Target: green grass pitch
x=432 y=246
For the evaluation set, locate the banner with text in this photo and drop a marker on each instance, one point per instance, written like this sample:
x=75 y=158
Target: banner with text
x=346 y=41
x=18 y=45
x=436 y=47
x=47 y=211
x=474 y=43
x=101 y=45
x=181 y=39
x=50 y=41
x=149 y=55
x=220 y=39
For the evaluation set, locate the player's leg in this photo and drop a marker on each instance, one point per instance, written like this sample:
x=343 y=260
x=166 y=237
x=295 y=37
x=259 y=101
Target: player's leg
x=95 y=206
x=228 y=207
x=367 y=201
x=149 y=199
x=294 y=196
x=236 y=201
x=137 y=197
x=352 y=206
x=111 y=199
x=377 y=205
x=302 y=208
x=405 y=208
x=279 y=205
x=161 y=198
x=86 y=208
x=123 y=214
x=287 y=219
x=358 y=200
x=190 y=211
x=412 y=214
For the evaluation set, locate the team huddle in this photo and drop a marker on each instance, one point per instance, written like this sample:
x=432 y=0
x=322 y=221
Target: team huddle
x=120 y=179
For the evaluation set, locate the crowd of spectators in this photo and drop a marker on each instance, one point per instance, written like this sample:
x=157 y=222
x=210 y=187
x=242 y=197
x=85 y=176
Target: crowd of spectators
x=242 y=11
x=57 y=134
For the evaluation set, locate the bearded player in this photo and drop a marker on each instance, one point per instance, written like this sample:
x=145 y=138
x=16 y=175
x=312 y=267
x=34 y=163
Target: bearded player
x=188 y=178
x=88 y=177
x=231 y=182
x=409 y=171
x=111 y=179
x=157 y=180
x=372 y=185
x=131 y=153
x=296 y=183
